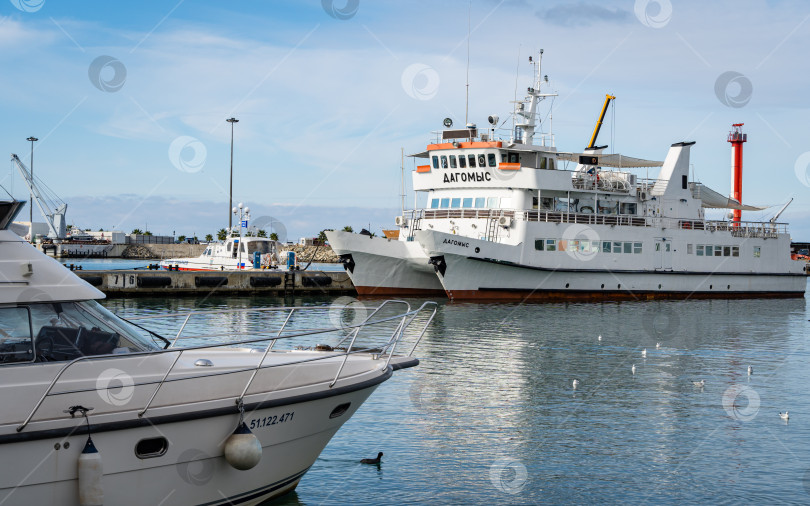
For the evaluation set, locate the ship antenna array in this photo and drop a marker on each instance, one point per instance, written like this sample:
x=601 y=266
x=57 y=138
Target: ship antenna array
x=514 y=114
x=467 y=99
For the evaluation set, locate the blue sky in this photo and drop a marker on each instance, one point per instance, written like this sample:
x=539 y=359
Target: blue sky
x=328 y=92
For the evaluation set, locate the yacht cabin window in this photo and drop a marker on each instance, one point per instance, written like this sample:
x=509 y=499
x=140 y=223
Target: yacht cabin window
x=455 y=203
x=480 y=202
x=54 y=331
x=445 y=203
x=434 y=204
x=467 y=203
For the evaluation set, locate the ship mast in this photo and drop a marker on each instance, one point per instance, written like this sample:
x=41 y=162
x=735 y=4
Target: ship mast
x=527 y=115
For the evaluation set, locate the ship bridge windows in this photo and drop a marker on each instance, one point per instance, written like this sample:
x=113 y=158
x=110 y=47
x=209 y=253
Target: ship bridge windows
x=491 y=159
x=260 y=246
x=444 y=161
x=453 y=164
x=435 y=162
x=482 y=160
x=462 y=162
x=471 y=203
x=471 y=159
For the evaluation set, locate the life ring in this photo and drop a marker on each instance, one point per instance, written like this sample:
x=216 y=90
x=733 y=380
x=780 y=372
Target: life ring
x=586 y=210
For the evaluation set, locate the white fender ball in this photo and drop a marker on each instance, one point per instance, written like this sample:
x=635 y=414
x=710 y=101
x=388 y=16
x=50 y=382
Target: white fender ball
x=243 y=449
x=90 y=474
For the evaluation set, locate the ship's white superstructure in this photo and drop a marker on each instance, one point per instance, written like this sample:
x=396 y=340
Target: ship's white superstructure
x=510 y=219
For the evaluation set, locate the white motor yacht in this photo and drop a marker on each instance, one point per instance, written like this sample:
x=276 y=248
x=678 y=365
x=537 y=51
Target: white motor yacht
x=234 y=253
x=238 y=251
x=97 y=409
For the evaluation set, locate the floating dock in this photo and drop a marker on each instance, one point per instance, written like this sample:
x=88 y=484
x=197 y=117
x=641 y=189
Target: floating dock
x=127 y=283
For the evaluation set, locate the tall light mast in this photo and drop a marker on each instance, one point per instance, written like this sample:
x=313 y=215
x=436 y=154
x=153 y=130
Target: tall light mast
x=737 y=138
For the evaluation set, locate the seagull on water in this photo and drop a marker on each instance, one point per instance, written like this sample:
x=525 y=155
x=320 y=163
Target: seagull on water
x=700 y=383
x=657 y=346
x=750 y=370
x=633 y=369
x=576 y=383
x=784 y=416
x=644 y=353
x=600 y=337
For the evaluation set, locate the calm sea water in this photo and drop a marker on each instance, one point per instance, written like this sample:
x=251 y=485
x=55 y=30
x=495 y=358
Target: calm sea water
x=490 y=414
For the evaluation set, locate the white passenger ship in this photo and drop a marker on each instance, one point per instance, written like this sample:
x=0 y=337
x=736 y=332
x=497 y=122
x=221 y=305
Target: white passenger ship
x=506 y=220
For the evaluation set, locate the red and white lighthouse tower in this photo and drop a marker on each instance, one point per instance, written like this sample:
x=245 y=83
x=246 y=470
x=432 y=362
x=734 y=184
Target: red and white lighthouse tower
x=736 y=138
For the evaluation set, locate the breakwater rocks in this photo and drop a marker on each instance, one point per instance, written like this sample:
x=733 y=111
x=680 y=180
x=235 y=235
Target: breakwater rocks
x=138 y=251
x=322 y=254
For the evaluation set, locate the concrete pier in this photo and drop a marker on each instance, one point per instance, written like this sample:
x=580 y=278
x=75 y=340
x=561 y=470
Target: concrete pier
x=167 y=283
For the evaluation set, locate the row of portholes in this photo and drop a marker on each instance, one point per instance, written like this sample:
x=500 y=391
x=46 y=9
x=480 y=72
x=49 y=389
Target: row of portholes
x=603 y=286
x=619 y=287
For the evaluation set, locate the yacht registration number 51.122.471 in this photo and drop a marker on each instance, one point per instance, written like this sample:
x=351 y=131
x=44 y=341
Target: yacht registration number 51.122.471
x=271 y=420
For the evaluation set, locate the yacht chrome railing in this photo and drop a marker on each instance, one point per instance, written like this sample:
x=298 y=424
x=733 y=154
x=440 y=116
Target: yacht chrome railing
x=404 y=320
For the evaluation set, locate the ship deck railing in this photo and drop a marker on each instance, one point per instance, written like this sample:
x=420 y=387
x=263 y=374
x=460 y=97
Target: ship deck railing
x=739 y=229
x=747 y=229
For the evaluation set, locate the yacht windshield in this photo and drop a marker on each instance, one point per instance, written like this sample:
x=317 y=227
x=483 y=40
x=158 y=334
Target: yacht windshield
x=56 y=331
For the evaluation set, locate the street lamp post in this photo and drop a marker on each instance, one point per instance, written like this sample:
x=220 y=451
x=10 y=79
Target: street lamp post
x=230 y=191
x=32 y=139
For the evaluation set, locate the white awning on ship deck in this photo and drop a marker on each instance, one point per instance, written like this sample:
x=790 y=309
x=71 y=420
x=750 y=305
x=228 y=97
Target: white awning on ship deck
x=712 y=199
x=616 y=160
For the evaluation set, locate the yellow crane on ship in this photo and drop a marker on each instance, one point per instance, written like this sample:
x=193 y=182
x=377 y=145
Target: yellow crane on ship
x=591 y=144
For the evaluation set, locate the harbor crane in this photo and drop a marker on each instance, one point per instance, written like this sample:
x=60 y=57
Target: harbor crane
x=50 y=205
